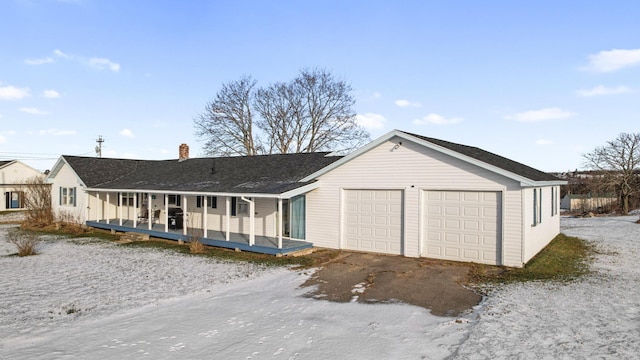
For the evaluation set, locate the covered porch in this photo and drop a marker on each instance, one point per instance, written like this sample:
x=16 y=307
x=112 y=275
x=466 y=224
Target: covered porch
x=260 y=224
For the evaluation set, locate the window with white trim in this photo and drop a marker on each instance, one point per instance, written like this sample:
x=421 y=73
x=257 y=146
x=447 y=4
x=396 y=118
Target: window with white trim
x=537 y=206
x=174 y=199
x=67 y=196
x=14 y=199
x=554 y=201
x=212 y=201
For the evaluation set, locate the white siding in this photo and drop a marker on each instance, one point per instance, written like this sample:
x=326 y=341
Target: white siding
x=67 y=178
x=265 y=216
x=412 y=168
x=537 y=236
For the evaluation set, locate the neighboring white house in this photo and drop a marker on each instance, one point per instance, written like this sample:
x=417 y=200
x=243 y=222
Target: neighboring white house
x=13 y=177
x=401 y=194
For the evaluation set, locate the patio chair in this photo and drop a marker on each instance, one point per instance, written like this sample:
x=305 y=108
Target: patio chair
x=143 y=216
x=156 y=216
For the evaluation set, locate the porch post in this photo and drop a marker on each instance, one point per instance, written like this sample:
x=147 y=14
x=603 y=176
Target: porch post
x=228 y=216
x=166 y=213
x=252 y=225
x=149 y=217
x=184 y=215
x=108 y=208
x=279 y=223
x=135 y=210
x=204 y=216
x=120 y=208
x=98 y=207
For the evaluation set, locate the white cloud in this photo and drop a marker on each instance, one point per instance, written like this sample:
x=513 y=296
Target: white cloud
x=61 y=54
x=437 y=120
x=33 y=111
x=406 y=103
x=51 y=94
x=544 y=142
x=603 y=90
x=102 y=63
x=41 y=61
x=56 y=132
x=2 y=139
x=612 y=60
x=127 y=133
x=540 y=115
x=371 y=121
x=9 y=92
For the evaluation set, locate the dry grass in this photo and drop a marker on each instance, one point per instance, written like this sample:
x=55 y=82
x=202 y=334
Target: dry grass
x=565 y=258
x=195 y=244
x=196 y=247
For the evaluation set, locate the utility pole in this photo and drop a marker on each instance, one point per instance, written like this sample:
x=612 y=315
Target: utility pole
x=99 y=146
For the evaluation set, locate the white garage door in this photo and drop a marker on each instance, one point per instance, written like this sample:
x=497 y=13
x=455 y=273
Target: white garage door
x=373 y=221
x=462 y=225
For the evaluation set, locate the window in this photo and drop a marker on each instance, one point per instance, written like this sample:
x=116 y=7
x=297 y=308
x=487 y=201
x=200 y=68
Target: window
x=298 y=217
x=234 y=205
x=127 y=199
x=14 y=200
x=68 y=196
x=212 y=201
x=174 y=199
x=537 y=206
x=243 y=208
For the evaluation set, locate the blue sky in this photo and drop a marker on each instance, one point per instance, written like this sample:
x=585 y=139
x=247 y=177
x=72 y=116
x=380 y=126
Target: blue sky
x=540 y=82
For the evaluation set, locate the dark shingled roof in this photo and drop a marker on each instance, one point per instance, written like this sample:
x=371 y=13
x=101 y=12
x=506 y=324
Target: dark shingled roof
x=3 y=163
x=262 y=174
x=492 y=159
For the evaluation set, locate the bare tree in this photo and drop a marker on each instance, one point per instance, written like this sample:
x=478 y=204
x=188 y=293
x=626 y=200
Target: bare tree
x=313 y=112
x=226 y=125
x=326 y=119
x=619 y=159
x=37 y=201
x=278 y=106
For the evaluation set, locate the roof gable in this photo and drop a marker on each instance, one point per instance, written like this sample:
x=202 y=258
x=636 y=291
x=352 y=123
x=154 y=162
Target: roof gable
x=526 y=175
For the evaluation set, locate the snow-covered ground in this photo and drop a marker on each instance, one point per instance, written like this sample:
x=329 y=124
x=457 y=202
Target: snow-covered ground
x=595 y=318
x=85 y=299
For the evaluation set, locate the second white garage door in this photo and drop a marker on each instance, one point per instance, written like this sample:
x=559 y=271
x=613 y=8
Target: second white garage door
x=462 y=225
x=373 y=221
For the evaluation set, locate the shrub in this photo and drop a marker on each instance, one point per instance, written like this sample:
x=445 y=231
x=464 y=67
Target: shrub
x=25 y=242
x=37 y=201
x=195 y=245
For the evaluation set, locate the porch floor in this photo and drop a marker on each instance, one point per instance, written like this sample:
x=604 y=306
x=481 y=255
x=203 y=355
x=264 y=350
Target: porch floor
x=262 y=245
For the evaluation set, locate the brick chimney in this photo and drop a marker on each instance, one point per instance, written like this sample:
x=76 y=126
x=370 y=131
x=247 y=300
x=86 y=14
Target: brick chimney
x=183 y=152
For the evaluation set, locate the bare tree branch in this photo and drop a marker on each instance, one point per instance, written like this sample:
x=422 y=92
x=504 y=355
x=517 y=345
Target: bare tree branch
x=313 y=112
x=619 y=161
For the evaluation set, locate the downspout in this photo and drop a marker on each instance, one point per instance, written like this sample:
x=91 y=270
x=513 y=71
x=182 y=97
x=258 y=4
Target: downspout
x=252 y=235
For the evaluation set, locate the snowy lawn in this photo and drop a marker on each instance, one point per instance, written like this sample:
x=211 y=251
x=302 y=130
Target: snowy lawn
x=597 y=317
x=97 y=300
